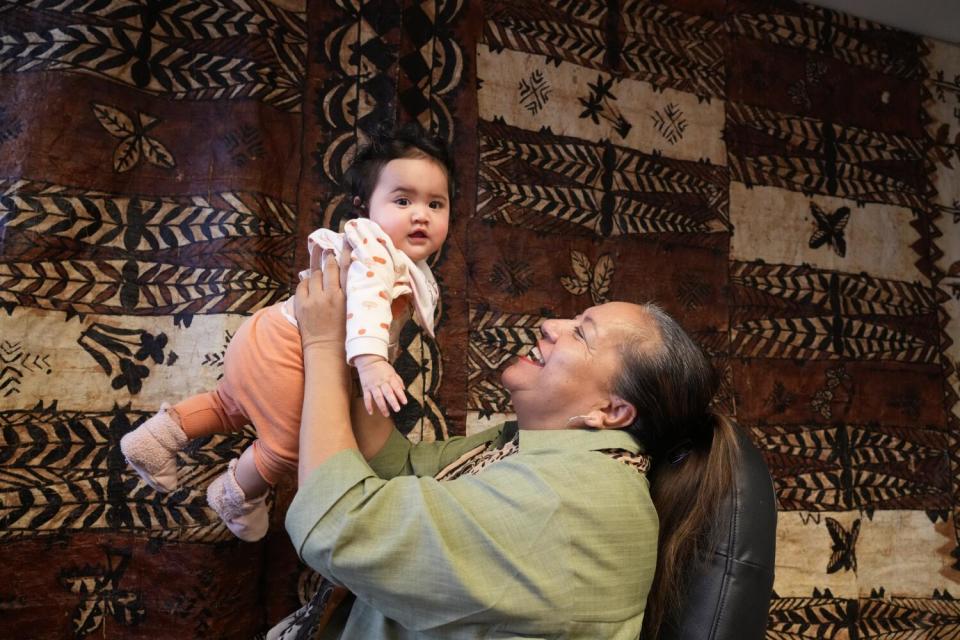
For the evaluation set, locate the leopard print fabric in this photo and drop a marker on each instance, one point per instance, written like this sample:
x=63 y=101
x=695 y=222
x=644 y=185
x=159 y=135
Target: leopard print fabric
x=479 y=458
x=640 y=462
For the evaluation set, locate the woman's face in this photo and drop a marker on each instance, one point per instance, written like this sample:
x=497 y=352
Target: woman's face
x=579 y=359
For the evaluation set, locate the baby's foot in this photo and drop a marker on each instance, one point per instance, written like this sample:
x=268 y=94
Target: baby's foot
x=246 y=519
x=151 y=449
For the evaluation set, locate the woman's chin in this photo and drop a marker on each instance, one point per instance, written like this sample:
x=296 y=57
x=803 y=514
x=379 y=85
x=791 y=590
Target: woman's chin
x=509 y=376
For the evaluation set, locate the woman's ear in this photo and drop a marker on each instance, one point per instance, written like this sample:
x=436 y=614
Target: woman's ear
x=616 y=414
x=619 y=414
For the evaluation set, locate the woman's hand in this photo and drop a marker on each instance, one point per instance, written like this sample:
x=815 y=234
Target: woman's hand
x=325 y=419
x=320 y=307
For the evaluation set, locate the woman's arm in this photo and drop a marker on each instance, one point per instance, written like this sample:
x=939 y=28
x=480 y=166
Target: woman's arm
x=325 y=427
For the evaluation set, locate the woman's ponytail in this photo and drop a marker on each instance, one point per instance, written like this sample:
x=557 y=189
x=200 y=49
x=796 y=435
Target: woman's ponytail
x=670 y=382
x=687 y=494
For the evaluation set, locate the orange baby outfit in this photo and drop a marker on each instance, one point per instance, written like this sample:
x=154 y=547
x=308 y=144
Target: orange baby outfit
x=262 y=379
x=262 y=384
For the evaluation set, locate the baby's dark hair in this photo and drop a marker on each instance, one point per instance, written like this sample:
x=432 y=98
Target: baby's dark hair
x=391 y=143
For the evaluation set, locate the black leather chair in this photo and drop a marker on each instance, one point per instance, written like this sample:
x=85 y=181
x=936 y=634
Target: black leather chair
x=730 y=595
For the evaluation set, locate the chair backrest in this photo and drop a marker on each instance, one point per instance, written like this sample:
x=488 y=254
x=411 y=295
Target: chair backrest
x=729 y=596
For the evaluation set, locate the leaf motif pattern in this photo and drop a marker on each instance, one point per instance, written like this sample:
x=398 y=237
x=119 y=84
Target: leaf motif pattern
x=595 y=189
x=602 y=278
x=113 y=120
x=134 y=140
x=589 y=277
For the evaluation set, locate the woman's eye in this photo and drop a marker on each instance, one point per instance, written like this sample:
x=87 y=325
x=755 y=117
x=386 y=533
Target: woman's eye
x=579 y=333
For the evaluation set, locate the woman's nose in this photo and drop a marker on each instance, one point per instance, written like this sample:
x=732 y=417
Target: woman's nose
x=549 y=329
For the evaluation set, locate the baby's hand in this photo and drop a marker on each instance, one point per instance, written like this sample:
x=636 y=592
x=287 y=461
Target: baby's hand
x=381 y=384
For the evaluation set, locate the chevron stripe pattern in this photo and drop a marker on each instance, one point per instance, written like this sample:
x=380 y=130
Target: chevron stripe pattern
x=63 y=471
x=619 y=191
x=819 y=315
x=837 y=468
x=175 y=69
x=643 y=40
x=822 y=157
x=495 y=338
x=853 y=40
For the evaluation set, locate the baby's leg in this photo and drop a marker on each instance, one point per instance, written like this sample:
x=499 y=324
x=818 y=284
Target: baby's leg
x=267 y=382
x=151 y=449
x=249 y=479
x=265 y=378
x=206 y=414
x=239 y=496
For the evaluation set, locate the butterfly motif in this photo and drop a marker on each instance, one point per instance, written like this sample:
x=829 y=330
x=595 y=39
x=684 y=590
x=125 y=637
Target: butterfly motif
x=829 y=229
x=844 y=546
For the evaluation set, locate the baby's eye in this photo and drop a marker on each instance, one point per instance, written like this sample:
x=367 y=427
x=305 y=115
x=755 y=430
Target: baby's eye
x=436 y=204
x=402 y=201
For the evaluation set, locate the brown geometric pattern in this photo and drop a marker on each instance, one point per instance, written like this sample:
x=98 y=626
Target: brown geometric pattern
x=782 y=178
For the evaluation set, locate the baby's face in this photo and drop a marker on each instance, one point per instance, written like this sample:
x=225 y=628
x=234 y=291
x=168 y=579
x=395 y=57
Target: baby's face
x=411 y=203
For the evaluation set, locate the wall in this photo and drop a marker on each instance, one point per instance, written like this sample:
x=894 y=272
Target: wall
x=780 y=177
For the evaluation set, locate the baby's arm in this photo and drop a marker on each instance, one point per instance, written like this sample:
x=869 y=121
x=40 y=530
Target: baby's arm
x=370 y=282
x=381 y=384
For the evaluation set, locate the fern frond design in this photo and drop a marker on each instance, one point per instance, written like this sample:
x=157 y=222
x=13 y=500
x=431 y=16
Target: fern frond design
x=571 y=42
x=581 y=163
x=806 y=134
x=659 y=45
x=851 y=40
x=138 y=288
x=797 y=311
x=184 y=61
x=909 y=618
x=139 y=223
x=859 y=294
x=62 y=470
x=590 y=11
x=854 y=467
x=828 y=337
x=822 y=157
x=619 y=190
x=822 y=615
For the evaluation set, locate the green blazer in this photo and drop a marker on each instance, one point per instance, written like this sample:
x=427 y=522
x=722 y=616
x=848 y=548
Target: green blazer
x=555 y=541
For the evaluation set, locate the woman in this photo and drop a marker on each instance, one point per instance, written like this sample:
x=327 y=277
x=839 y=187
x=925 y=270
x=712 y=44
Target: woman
x=546 y=530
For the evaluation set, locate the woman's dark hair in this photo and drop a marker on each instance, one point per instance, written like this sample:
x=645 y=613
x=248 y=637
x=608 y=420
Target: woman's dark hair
x=391 y=143
x=671 y=383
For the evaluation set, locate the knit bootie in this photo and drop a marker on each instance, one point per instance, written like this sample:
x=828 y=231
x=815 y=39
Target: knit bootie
x=151 y=449
x=246 y=519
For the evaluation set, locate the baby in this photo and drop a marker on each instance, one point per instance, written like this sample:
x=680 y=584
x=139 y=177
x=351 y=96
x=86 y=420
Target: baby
x=403 y=182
